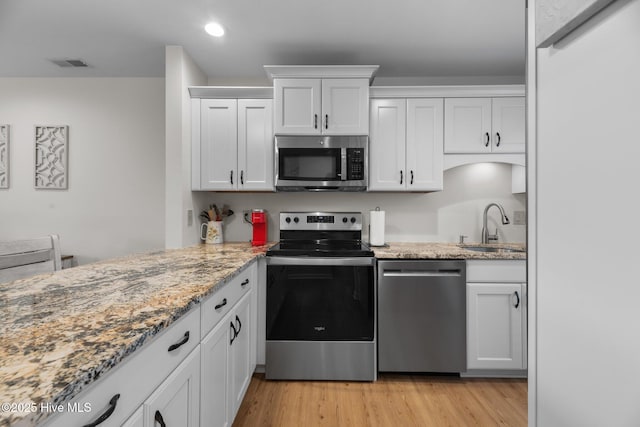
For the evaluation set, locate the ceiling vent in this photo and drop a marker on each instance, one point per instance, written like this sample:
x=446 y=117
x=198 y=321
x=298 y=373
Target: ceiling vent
x=65 y=63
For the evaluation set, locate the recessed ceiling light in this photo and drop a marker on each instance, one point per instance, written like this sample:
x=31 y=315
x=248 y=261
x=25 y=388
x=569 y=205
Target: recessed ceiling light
x=214 y=29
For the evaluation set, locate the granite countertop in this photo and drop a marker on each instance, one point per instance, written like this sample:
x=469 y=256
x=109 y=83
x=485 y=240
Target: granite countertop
x=61 y=331
x=434 y=250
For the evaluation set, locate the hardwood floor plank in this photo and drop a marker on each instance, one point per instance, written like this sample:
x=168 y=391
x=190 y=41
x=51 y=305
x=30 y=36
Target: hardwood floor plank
x=393 y=400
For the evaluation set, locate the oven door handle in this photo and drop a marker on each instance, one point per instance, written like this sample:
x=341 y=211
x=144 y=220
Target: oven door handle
x=339 y=261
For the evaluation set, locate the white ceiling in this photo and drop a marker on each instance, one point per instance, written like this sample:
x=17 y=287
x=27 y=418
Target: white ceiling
x=126 y=38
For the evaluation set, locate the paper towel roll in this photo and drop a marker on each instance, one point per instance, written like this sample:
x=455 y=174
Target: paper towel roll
x=376 y=228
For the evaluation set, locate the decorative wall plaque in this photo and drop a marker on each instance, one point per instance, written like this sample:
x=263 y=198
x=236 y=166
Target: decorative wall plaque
x=51 y=157
x=4 y=156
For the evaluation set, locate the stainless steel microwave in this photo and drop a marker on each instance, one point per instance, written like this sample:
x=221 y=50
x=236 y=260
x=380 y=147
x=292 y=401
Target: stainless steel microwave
x=321 y=163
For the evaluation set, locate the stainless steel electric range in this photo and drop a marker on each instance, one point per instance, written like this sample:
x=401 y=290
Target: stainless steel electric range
x=321 y=299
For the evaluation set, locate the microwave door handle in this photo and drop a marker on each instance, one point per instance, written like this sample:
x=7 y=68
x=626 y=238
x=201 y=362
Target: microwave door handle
x=343 y=164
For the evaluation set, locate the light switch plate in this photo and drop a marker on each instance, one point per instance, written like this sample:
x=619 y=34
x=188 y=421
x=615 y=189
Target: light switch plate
x=189 y=217
x=519 y=218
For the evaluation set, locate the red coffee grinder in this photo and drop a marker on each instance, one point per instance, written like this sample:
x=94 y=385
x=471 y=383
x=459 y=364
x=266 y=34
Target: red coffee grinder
x=259 y=222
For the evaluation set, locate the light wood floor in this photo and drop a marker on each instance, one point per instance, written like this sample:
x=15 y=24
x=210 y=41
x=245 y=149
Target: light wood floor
x=394 y=400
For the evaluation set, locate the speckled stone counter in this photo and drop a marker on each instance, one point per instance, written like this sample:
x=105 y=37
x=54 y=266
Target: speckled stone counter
x=448 y=251
x=61 y=331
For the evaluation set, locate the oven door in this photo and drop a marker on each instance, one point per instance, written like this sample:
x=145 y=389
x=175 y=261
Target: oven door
x=321 y=319
x=320 y=299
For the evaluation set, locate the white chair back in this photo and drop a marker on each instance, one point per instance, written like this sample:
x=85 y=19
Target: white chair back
x=24 y=258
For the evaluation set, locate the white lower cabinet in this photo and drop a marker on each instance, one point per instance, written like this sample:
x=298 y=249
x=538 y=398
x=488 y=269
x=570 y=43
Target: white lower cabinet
x=177 y=401
x=495 y=326
x=496 y=317
x=215 y=397
x=227 y=365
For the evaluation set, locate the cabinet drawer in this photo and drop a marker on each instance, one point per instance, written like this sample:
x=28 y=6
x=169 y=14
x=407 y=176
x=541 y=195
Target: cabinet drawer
x=136 y=378
x=218 y=305
x=496 y=271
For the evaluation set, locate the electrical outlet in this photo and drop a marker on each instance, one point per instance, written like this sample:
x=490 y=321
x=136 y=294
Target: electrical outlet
x=189 y=217
x=519 y=218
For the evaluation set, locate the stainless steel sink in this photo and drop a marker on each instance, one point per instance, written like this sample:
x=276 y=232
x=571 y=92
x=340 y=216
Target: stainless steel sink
x=491 y=249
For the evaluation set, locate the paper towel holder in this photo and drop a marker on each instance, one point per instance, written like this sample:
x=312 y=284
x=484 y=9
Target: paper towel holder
x=383 y=245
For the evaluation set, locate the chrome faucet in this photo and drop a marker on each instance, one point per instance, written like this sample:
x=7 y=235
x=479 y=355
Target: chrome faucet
x=486 y=237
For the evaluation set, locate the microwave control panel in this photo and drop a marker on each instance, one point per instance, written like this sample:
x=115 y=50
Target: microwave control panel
x=355 y=164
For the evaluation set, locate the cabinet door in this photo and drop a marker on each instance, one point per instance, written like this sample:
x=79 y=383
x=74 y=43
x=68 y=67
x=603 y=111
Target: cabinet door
x=215 y=402
x=425 y=155
x=176 y=402
x=345 y=106
x=135 y=420
x=218 y=149
x=387 y=145
x=255 y=144
x=240 y=352
x=508 y=116
x=297 y=104
x=494 y=326
x=467 y=125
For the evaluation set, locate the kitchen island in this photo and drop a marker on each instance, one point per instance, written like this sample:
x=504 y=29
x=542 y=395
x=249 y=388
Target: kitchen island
x=59 y=332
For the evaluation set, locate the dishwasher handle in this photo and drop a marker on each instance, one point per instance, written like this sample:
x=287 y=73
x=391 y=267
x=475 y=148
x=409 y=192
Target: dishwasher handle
x=422 y=273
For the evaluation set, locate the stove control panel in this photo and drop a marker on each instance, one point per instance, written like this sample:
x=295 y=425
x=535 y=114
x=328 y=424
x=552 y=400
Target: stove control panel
x=320 y=221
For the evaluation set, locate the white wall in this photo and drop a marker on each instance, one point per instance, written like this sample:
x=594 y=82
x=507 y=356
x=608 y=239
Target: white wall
x=115 y=201
x=181 y=72
x=439 y=216
x=587 y=175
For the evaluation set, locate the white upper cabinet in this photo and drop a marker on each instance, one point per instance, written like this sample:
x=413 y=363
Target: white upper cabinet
x=425 y=141
x=345 y=106
x=218 y=144
x=484 y=125
x=298 y=106
x=255 y=144
x=321 y=106
x=508 y=125
x=406 y=145
x=387 y=145
x=232 y=147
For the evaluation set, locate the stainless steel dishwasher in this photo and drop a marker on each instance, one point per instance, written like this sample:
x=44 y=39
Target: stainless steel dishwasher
x=422 y=316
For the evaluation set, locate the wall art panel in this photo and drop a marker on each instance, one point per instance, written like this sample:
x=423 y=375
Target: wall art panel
x=4 y=156
x=51 y=168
